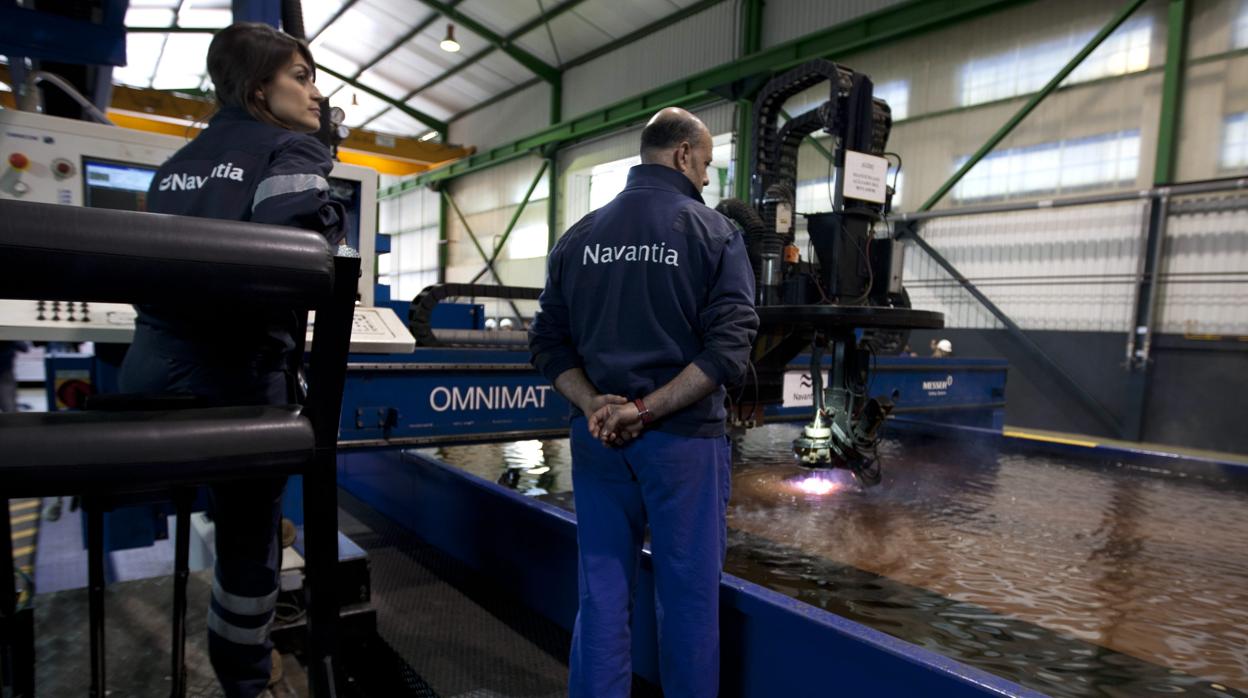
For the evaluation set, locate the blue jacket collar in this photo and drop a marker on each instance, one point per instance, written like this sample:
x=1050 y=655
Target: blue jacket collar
x=660 y=177
x=231 y=114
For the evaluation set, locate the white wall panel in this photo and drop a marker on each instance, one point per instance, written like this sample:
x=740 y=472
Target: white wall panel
x=517 y=116
x=694 y=44
x=488 y=200
x=1048 y=269
x=785 y=20
x=1204 y=270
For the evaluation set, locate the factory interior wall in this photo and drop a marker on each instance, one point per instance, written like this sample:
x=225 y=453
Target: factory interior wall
x=696 y=43
x=515 y=117
x=1178 y=411
x=489 y=199
x=1014 y=257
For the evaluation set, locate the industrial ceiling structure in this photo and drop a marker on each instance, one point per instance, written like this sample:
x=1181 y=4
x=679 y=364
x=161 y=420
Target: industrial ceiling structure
x=382 y=61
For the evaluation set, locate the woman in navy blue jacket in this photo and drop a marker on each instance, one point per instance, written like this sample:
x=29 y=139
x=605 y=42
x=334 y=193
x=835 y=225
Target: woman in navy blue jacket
x=254 y=162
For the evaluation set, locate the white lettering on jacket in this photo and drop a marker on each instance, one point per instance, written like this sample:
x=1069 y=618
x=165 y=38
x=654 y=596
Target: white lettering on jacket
x=180 y=181
x=609 y=254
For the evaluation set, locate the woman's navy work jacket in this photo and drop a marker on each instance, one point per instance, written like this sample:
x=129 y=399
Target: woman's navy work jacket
x=244 y=170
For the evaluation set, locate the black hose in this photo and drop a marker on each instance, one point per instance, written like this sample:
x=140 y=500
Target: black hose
x=292 y=19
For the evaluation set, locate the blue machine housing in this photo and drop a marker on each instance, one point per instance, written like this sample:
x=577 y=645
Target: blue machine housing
x=462 y=395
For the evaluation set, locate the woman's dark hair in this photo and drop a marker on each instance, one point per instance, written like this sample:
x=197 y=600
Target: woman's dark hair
x=245 y=56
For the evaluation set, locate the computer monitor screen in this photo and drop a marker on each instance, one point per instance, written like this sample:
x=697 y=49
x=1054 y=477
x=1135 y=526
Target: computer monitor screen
x=347 y=192
x=116 y=185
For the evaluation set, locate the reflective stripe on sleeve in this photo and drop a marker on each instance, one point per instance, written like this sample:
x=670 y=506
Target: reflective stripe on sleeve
x=287 y=184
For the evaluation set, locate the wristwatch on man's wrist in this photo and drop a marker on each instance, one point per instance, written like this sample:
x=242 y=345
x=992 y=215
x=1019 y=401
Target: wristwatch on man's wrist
x=644 y=412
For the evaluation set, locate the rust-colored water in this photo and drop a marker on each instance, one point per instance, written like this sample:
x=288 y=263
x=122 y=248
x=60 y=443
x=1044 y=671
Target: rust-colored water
x=1074 y=578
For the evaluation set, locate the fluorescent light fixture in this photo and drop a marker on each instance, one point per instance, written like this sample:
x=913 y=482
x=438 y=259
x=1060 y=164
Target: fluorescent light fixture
x=429 y=136
x=449 y=44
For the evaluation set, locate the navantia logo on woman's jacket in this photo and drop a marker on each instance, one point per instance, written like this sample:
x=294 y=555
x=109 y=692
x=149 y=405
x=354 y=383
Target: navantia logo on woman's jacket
x=243 y=170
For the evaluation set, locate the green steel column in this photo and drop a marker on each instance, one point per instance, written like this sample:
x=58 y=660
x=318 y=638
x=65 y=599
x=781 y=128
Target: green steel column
x=552 y=201
x=556 y=100
x=515 y=218
x=751 y=40
x=1123 y=14
x=444 y=243
x=741 y=157
x=1171 y=93
x=751 y=26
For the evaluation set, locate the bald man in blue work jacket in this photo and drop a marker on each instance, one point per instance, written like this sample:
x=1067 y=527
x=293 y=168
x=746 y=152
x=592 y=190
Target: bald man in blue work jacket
x=647 y=313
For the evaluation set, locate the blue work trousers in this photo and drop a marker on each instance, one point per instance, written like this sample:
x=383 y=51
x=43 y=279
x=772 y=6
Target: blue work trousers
x=247 y=515
x=678 y=486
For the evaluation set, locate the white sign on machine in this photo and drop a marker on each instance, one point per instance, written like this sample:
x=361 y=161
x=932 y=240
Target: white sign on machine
x=799 y=389
x=866 y=177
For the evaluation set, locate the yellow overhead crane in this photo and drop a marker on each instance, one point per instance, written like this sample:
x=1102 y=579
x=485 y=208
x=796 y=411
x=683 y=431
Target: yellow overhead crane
x=158 y=111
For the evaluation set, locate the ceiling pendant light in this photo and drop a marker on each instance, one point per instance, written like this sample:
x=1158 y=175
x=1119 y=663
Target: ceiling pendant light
x=449 y=44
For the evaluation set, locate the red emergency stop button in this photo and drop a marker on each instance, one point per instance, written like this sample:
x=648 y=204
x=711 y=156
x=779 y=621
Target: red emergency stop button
x=18 y=161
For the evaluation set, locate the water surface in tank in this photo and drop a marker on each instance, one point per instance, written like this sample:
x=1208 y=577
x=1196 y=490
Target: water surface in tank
x=1072 y=577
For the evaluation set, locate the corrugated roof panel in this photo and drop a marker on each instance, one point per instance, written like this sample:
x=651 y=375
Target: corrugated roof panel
x=406 y=12
x=327 y=83
x=149 y=4
x=501 y=17
x=407 y=68
x=431 y=107
x=503 y=66
x=196 y=16
x=618 y=19
x=374 y=79
x=317 y=12
x=182 y=65
x=362 y=20
x=422 y=55
x=367 y=106
x=398 y=123
x=142 y=52
x=206 y=13
x=573 y=35
x=463 y=90
x=328 y=57
x=149 y=17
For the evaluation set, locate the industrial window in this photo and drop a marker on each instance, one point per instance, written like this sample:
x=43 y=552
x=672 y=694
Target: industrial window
x=1052 y=168
x=411 y=222
x=1026 y=69
x=1239 y=32
x=608 y=179
x=1235 y=141
x=897 y=94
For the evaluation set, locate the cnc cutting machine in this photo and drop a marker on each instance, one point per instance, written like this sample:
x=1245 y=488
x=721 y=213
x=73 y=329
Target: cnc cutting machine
x=846 y=299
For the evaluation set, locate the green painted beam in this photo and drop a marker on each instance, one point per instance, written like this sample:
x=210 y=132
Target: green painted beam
x=511 y=225
x=1171 y=92
x=751 y=26
x=887 y=25
x=439 y=126
x=528 y=60
x=1122 y=15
